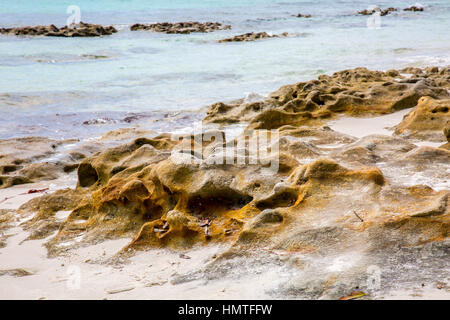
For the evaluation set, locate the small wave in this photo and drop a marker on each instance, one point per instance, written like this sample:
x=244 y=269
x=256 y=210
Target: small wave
x=100 y=121
x=424 y=61
x=144 y=50
x=402 y=50
x=253 y=97
x=129 y=118
x=257 y=20
x=68 y=58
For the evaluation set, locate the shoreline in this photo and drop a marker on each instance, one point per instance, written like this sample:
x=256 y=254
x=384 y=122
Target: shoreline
x=143 y=70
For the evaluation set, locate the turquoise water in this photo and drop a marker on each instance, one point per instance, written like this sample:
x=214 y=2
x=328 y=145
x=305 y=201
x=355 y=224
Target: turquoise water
x=46 y=81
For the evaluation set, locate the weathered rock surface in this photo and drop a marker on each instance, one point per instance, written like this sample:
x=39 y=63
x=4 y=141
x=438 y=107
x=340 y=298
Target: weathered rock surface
x=427 y=120
x=140 y=188
x=7 y=219
x=447 y=135
x=22 y=160
x=333 y=200
x=33 y=159
x=354 y=92
x=252 y=36
x=44 y=211
x=81 y=30
x=181 y=27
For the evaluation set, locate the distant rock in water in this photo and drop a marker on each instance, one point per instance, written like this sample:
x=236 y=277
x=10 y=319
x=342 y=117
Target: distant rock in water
x=81 y=30
x=368 y=12
x=251 y=36
x=99 y=121
x=414 y=8
x=385 y=12
x=300 y=15
x=180 y=27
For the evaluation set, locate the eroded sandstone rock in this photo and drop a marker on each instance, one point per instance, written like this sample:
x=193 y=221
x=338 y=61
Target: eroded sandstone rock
x=167 y=203
x=447 y=135
x=427 y=120
x=22 y=160
x=332 y=198
x=7 y=220
x=45 y=208
x=354 y=92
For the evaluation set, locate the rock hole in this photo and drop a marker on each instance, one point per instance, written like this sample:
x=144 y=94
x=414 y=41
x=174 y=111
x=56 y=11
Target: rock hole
x=284 y=199
x=9 y=168
x=87 y=175
x=152 y=211
x=215 y=204
x=116 y=170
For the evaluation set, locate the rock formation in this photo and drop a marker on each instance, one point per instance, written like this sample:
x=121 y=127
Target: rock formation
x=413 y=8
x=300 y=15
x=332 y=195
x=33 y=159
x=353 y=92
x=22 y=160
x=383 y=12
x=427 y=121
x=81 y=30
x=251 y=36
x=181 y=27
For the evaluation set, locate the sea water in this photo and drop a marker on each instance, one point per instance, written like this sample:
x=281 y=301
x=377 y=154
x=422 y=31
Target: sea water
x=58 y=86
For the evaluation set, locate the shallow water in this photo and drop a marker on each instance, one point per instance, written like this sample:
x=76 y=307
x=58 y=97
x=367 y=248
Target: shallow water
x=50 y=86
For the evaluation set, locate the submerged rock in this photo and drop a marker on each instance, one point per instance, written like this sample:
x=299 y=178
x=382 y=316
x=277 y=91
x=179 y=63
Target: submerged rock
x=414 y=8
x=383 y=12
x=181 y=27
x=252 y=36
